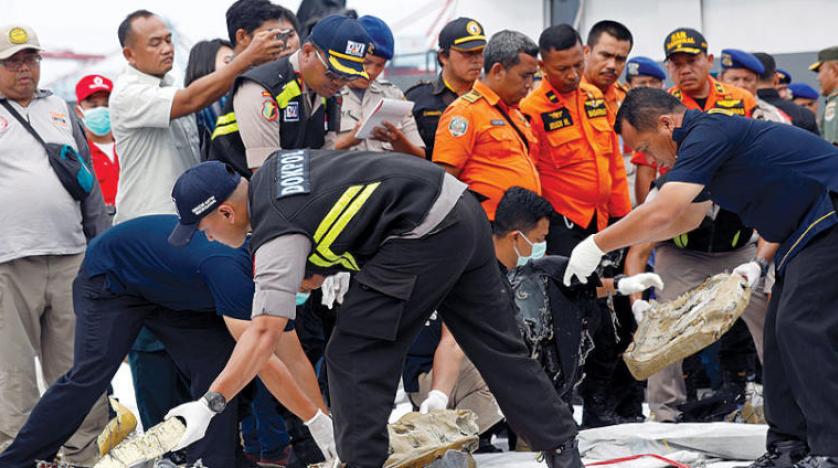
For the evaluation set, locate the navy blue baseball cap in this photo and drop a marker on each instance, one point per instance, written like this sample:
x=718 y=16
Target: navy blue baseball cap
x=197 y=192
x=804 y=91
x=785 y=77
x=380 y=35
x=735 y=58
x=644 y=66
x=345 y=43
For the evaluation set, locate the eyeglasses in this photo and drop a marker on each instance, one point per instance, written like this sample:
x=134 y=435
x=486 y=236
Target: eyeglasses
x=15 y=64
x=329 y=73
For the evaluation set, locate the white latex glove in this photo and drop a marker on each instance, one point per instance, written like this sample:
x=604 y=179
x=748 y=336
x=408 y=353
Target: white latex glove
x=436 y=400
x=334 y=289
x=197 y=416
x=639 y=309
x=639 y=283
x=583 y=261
x=750 y=271
x=323 y=432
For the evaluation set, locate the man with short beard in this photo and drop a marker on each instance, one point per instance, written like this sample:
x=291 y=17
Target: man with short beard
x=609 y=44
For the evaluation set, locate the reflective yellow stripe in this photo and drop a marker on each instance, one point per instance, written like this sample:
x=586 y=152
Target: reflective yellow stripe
x=344 y=69
x=478 y=37
x=225 y=130
x=225 y=119
x=680 y=241
x=786 y=256
x=289 y=92
x=335 y=222
x=346 y=57
x=736 y=238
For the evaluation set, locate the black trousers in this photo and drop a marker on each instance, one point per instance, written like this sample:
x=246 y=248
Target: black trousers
x=801 y=349
x=106 y=326
x=455 y=272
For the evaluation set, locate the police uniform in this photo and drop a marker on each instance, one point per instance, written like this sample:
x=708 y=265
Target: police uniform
x=430 y=99
x=356 y=104
x=721 y=243
x=782 y=181
x=828 y=121
x=579 y=162
x=415 y=243
x=491 y=143
x=131 y=277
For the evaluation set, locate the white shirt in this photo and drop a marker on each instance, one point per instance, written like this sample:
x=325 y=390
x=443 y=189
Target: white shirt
x=107 y=148
x=153 y=150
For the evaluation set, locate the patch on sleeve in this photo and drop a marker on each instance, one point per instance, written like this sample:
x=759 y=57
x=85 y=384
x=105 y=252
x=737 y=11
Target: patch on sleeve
x=557 y=119
x=269 y=110
x=458 y=126
x=292 y=174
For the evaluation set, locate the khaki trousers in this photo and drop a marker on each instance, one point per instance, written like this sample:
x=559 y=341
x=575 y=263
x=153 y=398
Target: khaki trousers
x=470 y=392
x=682 y=270
x=37 y=319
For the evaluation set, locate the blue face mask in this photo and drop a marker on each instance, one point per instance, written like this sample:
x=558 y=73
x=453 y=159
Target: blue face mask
x=98 y=120
x=538 y=251
x=302 y=298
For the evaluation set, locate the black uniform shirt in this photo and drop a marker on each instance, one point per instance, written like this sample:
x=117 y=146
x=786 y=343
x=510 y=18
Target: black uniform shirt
x=430 y=99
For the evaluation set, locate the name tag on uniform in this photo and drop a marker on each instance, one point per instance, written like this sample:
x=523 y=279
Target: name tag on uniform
x=595 y=108
x=292 y=112
x=292 y=174
x=498 y=123
x=557 y=119
x=431 y=113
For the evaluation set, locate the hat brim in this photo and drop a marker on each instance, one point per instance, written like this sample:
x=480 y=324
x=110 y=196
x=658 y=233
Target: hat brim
x=816 y=66
x=15 y=49
x=474 y=44
x=182 y=234
x=685 y=50
x=349 y=68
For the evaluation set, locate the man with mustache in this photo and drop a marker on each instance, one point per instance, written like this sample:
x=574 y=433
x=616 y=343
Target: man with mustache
x=606 y=52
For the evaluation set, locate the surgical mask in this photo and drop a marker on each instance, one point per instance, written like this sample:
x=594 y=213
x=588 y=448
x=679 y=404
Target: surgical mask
x=302 y=298
x=538 y=251
x=98 y=120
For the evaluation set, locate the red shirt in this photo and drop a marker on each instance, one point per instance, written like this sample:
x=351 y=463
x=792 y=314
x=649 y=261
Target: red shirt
x=107 y=172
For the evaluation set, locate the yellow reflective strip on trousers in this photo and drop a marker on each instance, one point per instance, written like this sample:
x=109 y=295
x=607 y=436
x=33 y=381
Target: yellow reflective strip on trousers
x=225 y=130
x=289 y=92
x=329 y=229
x=225 y=119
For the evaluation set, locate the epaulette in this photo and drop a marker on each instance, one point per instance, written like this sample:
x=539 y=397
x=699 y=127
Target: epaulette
x=720 y=88
x=623 y=87
x=471 y=96
x=676 y=92
x=551 y=96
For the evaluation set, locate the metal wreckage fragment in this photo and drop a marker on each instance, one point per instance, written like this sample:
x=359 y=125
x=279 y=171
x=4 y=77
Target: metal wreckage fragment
x=675 y=330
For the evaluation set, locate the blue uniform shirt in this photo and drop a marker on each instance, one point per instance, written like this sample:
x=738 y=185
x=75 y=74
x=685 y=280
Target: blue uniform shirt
x=777 y=178
x=205 y=276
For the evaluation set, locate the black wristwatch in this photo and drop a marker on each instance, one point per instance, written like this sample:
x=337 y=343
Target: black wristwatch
x=215 y=401
x=617 y=280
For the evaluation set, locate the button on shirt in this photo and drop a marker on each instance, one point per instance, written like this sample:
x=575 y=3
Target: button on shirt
x=356 y=106
x=579 y=159
x=475 y=137
x=154 y=150
x=776 y=177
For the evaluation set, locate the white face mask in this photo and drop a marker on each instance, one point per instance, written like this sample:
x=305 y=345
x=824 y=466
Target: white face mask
x=538 y=250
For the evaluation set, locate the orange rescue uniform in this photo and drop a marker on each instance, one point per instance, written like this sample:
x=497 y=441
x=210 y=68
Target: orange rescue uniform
x=614 y=97
x=579 y=159
x=490 y=143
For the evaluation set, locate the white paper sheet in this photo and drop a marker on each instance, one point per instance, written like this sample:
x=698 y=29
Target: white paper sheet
x=390 y=110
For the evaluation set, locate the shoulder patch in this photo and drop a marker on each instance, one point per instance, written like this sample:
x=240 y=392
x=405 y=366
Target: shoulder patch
x=677 y=93
x=829 y=112
x=269 y=110
x=551 y=96
x=471 y=96
x=720 y=88
x=717 y=110
x=736 y=106
x=458 y=126
x=557 y=119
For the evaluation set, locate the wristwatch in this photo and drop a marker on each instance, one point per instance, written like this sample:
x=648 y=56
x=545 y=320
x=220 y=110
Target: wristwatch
x=215 y=401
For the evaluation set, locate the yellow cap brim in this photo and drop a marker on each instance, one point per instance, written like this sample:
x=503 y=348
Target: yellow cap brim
x=815 y=66
x=684 y=50
x=347 y=65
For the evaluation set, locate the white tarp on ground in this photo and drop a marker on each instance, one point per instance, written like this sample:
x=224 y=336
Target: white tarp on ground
x=692 y=444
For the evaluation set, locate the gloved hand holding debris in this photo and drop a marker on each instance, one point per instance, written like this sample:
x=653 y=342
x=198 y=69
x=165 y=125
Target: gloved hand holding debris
x=436 y=400
x=638 y=283
x=197 y=416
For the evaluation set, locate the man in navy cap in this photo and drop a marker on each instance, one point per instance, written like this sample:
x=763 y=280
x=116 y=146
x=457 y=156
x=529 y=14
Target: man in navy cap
x=460 y=55
x=783 y=81
x=805 y=96
x=768 y=91
x=132 y=277
x=743 y=69
x=360 y=98
x=416 y=241
x=783 y=181
x=644 y=72
x=288 y=103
